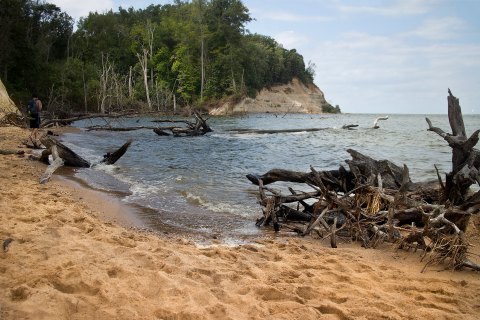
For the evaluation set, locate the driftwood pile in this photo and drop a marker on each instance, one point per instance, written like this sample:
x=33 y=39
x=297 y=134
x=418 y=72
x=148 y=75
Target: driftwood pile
x=188 y=128
x=192 y=129
x=376 y=201
x=63 y=155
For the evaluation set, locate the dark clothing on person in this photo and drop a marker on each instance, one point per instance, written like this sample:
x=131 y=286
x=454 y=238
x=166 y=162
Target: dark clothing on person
x=35 y=120
x=34 y=107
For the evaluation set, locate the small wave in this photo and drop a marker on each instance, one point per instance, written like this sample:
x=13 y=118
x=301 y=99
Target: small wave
x=142 y=191
x=180 y=179
x=221 y=207
x=88 y=154
x=192 y=199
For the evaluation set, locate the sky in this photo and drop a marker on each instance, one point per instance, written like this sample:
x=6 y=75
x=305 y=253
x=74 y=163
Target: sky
x=371 y=56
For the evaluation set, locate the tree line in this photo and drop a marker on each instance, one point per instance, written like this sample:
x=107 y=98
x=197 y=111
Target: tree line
x=186 y=53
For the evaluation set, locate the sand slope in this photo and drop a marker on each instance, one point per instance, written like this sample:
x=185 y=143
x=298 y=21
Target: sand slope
x=67 y=263
x=294 y=97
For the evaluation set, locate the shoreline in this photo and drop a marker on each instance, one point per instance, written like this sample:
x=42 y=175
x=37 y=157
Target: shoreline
x=109 y=206
x=66 y=261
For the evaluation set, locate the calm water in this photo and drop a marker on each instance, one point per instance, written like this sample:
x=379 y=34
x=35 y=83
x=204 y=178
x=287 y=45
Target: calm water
x=198 y=184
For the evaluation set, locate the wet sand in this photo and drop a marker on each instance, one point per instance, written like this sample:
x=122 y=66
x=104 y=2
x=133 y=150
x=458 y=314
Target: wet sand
x=71 y=260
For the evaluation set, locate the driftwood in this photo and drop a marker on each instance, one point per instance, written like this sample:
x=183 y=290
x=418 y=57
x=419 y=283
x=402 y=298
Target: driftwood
x=8 y=152
x=271 y=131
x=69 y=156
x=119 y=129
x=112 y=157
x=375 y=201
x=67 y=121
x=375 y=123
x=63 y=155
x=56 y=163
x=197 y=128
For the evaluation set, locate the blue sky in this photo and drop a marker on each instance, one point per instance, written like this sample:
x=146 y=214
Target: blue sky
x=375 y=56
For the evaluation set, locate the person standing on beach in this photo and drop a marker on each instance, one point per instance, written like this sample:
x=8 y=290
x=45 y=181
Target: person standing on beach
x=34 y=108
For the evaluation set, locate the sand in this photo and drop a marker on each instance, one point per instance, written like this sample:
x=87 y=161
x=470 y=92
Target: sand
x=68 y=261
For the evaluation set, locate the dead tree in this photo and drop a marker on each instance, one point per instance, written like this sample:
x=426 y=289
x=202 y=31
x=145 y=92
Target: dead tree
x=465 y=158
x=375 y=201
x=197 y=128
x=63 y=155
x=375 y=123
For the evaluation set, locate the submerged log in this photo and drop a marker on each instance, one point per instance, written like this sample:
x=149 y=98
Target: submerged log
x=192 y=129
x=272 y=131
x=349 y=126
x=161 y=131
x=119 y=129
x=111 y=158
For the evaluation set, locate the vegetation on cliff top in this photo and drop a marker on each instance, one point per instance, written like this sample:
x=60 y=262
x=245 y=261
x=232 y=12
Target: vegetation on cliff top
x=193 y=52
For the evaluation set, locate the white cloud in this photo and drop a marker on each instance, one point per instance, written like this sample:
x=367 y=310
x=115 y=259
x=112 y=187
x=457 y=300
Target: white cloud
x=77 y=8
x=291 y=39
x=397 y=8
x=291 y=17
x=440 y=28
x=365 y=72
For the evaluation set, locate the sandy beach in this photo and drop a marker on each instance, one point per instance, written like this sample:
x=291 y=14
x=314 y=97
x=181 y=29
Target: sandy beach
x=70 y=260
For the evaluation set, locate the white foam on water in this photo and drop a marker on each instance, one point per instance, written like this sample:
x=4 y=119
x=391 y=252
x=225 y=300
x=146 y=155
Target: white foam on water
x=141 y=191
x=221 y=207
x=225 y=243
x=86 y=153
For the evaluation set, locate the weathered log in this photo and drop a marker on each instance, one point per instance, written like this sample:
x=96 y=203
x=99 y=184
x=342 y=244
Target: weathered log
x=192 y=129
x=349 y=126
x=8 y=152
x=340 y=180
x=69 y=157
x=72 y=159
x=465 y=159
x=201 y=123
x=56 y=163
x=161 y=132
x=119 y=129
x=68 y=121
x=111 y=158
x=366 y=170
x=375 y=123
x=363 y=170
x=294 y=215
x=272 y=131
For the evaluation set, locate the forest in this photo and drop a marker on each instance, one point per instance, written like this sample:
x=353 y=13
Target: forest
x=188 y=53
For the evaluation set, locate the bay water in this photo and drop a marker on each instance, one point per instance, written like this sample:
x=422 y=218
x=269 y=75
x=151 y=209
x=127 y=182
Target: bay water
x=198 y=185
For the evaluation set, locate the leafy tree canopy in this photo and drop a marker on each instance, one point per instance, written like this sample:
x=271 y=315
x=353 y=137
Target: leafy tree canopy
x=194 y=51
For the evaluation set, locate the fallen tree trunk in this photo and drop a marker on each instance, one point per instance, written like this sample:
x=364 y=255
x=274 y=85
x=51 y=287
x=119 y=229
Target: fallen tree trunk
x=192 y=129
x=271 y=131
x=63 y=155
x=376 y=201
x=69 y=157
x=56 y=163
x=111 y=158
x=67 y=121
x=7 y=152
x=119 y=129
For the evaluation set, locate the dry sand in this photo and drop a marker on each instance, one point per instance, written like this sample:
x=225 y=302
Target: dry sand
x=67 y=262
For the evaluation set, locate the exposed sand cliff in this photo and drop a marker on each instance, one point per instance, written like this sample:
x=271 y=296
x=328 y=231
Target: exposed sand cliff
x=294 y=97
x=6 y=104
